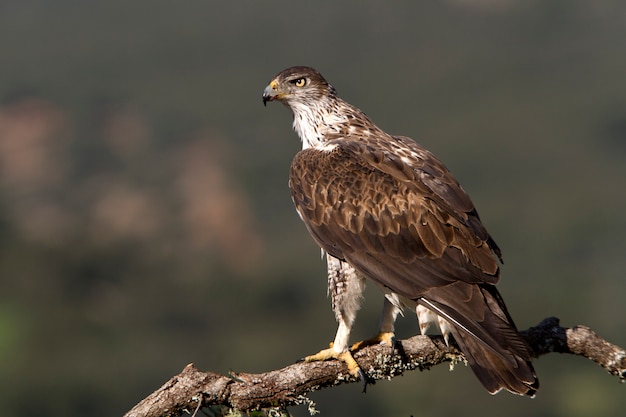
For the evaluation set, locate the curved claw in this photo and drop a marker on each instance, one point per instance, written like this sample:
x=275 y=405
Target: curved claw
x=363 y=379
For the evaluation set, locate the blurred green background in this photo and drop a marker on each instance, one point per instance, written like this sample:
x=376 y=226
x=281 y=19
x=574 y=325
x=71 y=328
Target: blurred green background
x=146 y=222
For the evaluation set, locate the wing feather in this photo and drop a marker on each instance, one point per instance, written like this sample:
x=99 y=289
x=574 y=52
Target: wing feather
x=398 y=210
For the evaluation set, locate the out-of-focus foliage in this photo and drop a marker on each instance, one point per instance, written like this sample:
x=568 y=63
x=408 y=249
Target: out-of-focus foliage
x=145 y=220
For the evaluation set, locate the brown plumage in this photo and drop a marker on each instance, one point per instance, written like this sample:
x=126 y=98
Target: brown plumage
x=384 y=208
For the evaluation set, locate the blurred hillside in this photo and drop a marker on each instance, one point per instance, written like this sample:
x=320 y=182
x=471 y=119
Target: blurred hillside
x=145 y=219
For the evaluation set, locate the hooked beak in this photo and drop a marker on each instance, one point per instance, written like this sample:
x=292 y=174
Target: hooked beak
x=270 y=92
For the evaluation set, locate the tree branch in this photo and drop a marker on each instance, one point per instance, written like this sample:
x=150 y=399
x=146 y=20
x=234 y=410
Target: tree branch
x=288 y=386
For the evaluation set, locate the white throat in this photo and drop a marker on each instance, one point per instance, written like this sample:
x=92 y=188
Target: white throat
x=314 y=124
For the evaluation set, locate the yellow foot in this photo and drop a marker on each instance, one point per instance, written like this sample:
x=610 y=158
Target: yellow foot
x=345 y=357
x=388 y=338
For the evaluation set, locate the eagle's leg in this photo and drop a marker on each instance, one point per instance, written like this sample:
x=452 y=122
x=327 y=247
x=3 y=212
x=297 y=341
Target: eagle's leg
x=345 y=287
x=339 y=350
x=386 y=329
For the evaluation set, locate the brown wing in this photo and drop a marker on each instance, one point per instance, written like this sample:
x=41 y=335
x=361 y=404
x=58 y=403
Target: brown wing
x=396 y=214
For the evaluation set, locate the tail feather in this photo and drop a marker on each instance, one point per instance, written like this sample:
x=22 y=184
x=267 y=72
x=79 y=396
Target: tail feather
x=513 y=372
x=486 y=334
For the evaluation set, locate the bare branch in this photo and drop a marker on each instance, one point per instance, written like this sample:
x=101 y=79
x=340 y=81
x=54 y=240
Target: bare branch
x=548 y=337
x=288 y=386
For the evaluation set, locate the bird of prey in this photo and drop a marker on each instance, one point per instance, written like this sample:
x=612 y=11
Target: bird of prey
x=385 y=209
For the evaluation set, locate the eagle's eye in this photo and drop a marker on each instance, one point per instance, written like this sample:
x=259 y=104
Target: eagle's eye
x=299 y=82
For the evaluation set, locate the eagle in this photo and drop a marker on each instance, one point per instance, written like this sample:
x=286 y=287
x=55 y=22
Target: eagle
x=385 y=209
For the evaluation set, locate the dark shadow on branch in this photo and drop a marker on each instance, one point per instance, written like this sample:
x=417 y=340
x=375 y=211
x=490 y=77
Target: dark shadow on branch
x=288 y=386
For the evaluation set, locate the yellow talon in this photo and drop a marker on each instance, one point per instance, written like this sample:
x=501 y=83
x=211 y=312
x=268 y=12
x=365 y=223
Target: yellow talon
x=345 y=357
x=322 y=355
x=353 y=367
x=382 y=337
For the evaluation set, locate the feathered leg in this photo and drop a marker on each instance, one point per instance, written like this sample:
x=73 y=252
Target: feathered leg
x=345 y=288
x=386 y=328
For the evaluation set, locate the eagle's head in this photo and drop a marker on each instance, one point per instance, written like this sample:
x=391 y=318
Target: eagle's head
x=319 y=115
x=297 y=86
x=312 y=100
